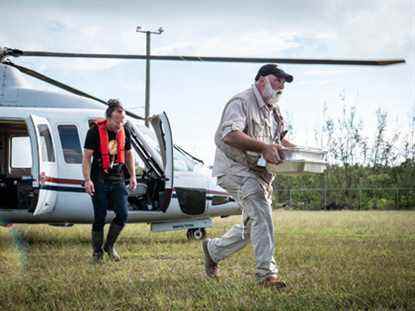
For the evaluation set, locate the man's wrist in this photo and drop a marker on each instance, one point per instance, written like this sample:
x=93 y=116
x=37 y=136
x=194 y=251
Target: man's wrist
x=262 y=146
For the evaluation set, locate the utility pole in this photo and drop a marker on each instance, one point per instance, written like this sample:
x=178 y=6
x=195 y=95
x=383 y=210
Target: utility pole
x=148 y=53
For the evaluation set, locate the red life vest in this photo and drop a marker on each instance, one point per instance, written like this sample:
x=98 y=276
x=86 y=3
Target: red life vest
x=104 y=145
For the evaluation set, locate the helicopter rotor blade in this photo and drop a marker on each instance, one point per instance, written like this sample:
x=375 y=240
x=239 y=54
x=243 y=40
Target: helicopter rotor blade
x=304 y=61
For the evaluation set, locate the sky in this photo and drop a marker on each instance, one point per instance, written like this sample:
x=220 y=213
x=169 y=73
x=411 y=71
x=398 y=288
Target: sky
x=194 y=93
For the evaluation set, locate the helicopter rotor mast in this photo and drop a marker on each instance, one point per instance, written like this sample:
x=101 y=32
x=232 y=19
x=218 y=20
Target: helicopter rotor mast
x=148 y=54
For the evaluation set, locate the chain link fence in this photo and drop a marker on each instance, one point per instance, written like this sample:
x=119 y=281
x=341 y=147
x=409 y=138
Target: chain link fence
x=352 y=198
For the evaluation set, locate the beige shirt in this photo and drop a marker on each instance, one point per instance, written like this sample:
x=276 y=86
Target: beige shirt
x=235 y=119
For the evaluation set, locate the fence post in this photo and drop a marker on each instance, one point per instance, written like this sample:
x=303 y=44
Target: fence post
x=325 y=190
x=396 y=198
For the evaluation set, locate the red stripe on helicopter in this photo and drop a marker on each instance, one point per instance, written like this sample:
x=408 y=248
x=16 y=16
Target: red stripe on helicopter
x=68 y=181
x=63 y=180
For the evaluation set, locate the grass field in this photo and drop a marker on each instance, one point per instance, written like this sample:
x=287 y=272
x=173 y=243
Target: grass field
x=331 y=260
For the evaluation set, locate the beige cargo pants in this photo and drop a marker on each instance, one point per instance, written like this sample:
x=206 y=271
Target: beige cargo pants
x=254 y=197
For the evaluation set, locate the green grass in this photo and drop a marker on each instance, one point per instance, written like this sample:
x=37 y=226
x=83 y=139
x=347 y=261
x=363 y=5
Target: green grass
x=331 y=260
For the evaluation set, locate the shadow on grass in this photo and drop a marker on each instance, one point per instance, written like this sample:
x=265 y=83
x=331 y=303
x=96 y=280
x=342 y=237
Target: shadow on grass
x=32 y=238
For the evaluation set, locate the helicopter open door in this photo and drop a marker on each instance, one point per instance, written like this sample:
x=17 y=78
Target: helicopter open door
x=162 y=128
x=155 y=148
x=44 y=163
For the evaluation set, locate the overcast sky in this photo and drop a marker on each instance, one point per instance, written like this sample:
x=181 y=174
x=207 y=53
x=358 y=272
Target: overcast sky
x=193 y=94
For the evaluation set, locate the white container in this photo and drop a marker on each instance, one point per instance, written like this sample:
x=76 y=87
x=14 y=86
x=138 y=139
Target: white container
x=298 y=160
x=297 y=167
x=303 y=153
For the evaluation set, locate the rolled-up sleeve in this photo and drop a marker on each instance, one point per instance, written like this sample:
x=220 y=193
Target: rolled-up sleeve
x=234 y=118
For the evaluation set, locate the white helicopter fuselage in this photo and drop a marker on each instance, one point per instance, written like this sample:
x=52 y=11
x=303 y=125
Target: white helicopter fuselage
x=41 y=143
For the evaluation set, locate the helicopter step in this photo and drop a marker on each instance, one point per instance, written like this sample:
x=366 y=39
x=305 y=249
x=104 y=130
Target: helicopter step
x=195 y=228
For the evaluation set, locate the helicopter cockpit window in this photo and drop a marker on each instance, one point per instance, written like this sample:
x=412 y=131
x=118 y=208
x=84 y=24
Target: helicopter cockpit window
x=71 y=145
x=149 y=135
x=46 y=145
x=182 y=163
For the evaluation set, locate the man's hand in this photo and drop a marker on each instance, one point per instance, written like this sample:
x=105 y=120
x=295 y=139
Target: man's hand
x=133 y=183
x=273 y=154
x=89 y=187
x=287 y=143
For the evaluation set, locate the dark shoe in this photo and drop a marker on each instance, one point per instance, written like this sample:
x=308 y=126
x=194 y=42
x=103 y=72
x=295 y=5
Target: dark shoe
x=211 y=267
x=97 y=257
x=97 y=240
x=113 y=233
x=273 y=281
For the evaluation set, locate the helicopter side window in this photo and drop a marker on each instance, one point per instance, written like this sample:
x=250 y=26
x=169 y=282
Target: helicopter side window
x=21 y=152
x=182 y=162
x=71 y=146
x=46 y=145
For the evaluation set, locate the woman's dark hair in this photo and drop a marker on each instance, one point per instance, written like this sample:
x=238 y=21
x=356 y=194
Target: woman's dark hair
x=113 y=104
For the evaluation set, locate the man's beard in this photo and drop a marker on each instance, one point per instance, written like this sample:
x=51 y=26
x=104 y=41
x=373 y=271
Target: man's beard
x=271 y=96
x=273 y=101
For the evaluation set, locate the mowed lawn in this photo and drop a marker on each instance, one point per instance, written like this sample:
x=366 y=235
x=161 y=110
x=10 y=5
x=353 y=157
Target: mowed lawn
x=331 y=260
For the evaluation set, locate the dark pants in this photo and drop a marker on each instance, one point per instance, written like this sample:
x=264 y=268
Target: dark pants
x=108 y=194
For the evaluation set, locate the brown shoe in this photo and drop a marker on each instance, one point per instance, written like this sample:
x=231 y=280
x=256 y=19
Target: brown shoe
x=273 y=281
x=211 y=267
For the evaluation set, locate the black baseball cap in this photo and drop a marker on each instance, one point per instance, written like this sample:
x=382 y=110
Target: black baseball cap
x=272 y=69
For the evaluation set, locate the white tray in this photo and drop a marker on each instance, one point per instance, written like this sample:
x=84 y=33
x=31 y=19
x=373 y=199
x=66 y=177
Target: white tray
x=296 y=167
x=298 y=160
x=304 y=153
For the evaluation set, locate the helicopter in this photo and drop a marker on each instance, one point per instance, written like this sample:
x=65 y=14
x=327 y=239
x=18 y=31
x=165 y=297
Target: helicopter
x=41 y=135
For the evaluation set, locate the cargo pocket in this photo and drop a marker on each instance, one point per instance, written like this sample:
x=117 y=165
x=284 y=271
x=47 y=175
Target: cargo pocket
x=231 y=183
x=258 y=128
x=262 y=130
x=250 y=186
